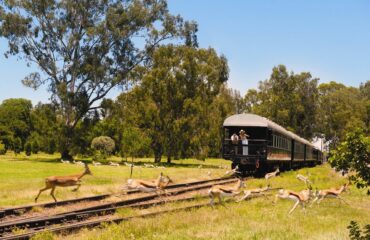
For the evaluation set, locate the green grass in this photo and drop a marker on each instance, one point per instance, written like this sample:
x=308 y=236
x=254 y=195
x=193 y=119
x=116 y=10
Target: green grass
x=21 y=177
x=258 y=218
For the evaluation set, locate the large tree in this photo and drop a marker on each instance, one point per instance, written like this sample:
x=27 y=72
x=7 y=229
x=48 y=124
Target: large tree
x=15 y=122
x=173 y=101
x=85 y=48
x=288 y=99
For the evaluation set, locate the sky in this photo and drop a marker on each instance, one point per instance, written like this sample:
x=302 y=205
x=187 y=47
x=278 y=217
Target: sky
x=330 y=39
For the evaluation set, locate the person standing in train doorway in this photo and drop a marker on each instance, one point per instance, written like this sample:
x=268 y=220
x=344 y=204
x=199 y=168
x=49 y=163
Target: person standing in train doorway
x=244 y=139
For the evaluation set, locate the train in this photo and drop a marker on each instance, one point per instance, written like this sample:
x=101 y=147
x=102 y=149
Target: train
x=266 y=145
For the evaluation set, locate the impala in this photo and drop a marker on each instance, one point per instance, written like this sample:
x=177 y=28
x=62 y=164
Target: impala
x=220 y=191
x=96 y=163
x=301 y=197
x=158 y=185
x=304 y=179
x=63 y=181
x=113 y=164
x=272 y=174
x=251 y=192
x=332 y=192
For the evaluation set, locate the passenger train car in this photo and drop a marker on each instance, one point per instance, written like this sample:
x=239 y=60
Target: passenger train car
x=268 y=145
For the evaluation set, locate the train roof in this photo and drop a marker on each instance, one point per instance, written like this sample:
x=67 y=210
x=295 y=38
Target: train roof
x=253 y=120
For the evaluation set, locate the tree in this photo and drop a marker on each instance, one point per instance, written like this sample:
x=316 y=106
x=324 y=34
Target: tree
x=353 y=154
x=85 y=48
x=175 y=97
x=288 y=99
x=15 y=122
x=341 y=109
x=2 y=148
x=45 y=127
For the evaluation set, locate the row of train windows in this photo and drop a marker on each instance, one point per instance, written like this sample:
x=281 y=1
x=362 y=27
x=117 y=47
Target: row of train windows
x=281 y=142
x=298 y=148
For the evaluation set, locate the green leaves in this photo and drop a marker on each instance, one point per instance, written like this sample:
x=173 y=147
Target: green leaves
x=353 y=154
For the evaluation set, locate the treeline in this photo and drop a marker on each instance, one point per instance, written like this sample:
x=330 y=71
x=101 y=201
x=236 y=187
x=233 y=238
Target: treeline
x=178 y=107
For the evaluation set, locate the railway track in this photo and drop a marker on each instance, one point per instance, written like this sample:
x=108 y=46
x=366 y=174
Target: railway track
x=18 y=211
x=95 y=223
x=104 y=211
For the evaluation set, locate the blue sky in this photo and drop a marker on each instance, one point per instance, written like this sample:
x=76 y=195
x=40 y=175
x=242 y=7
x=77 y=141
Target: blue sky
x=330 y=39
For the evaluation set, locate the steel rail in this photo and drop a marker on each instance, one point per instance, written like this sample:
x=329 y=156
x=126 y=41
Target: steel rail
x=95 y=223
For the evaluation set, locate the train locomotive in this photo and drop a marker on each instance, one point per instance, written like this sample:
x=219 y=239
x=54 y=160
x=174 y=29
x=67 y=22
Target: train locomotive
x=266 y=146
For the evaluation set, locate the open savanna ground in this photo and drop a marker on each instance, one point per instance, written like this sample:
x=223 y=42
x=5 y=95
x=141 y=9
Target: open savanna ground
x=257 y=218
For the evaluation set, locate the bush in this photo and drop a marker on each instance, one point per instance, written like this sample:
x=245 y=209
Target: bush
x=28 y=148
x=2 y=148
x=103 y=146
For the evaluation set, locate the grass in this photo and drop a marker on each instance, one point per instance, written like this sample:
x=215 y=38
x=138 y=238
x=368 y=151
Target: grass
x=258 y=218
x=21 y=177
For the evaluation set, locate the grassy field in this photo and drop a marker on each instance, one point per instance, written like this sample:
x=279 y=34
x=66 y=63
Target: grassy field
x=258 y=218
x=21 y=177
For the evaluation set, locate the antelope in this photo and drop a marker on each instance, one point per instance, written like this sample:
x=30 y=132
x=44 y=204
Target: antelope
x=303 y=179
x=301 y=197
x=332 y=192
x=255 y=191
x=149 y=165
x=113 y=164
x=158 y=185
x=64 y=161
x=233 y=171
x=63 y=181
x=96 y=163
x=129 y=164
x=272 y=174
x=220 y=191
x=78 y=162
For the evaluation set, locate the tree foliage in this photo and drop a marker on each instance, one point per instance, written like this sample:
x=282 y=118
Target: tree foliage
x=174 y=97
x=15 y=122
x=341 y=109
x=353 y=154
x=85 y=48
x=288 y=99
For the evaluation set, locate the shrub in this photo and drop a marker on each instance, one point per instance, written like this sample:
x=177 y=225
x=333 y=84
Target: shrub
x=2 y=148
x=103 y=146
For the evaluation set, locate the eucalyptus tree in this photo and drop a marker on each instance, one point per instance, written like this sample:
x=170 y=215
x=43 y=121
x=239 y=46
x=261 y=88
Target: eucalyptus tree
x=83 y=49
x=288 y=99
x=178 y=91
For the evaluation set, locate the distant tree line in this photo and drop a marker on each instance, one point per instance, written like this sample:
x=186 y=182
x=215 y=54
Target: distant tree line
x=173 y=113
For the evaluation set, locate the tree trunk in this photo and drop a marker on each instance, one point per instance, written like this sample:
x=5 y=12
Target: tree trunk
x=66 y=142
x=169 y=158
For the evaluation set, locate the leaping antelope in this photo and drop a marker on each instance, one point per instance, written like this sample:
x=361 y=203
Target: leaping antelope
x=78 y=162
x=220 y=191
x=272 y=174
x=304 y=179
x=63 y=181
x=158 y=185
x=301 y=197
x=113 y=164
x=255 y=191
x=332 y=192
x=233 y=171
x=96 y=163
x=64 y=161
